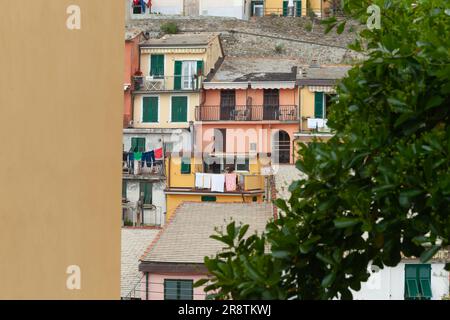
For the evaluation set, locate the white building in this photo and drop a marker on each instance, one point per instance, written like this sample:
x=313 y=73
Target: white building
x=239 y=9
x=409 y=278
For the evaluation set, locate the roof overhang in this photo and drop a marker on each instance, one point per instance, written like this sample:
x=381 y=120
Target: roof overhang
x=184 y=49
x=250 y=85
x=317 y=82
x=172 y=267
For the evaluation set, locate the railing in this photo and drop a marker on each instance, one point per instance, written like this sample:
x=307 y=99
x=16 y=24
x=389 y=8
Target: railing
x=167 y=83
x=245 y=182
x=136 y=168
x=247 y=113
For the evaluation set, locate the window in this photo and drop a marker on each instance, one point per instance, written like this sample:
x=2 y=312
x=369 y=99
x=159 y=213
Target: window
x=209 y=199
x=124 y=189
x=150 y=107
x=242 y=164
x=319 y=105
x=297 y=8
x=185 y=75
x=179 y=109
x=146 y=190
x=220 y=140
x=185 y=166
x=157 y=65
x=418 y=282
x=137 y=145
x=178 y=290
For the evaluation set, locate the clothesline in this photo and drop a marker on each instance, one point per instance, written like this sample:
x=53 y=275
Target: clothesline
x=216 y=182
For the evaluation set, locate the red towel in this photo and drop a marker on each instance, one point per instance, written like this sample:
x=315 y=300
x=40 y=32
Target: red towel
x=159 y=153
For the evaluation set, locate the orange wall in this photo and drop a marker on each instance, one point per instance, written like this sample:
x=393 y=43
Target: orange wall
x=131 y=65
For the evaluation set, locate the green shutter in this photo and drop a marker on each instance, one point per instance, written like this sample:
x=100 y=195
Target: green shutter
x=147 y=189
x=318 y=105
x=412 y=289
x=425 y=280
x=200 y=68
x=209 y=199
x=185 y=166
x=157 y=65
x=137 y=145
x=299 y=9
x=170 y=290
x=185 y=290
x=177 y=75
x=150 y=109
x=285 y=8
x=124 y=189
x=179 y=109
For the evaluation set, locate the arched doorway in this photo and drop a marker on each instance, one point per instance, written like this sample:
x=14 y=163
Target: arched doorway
x=281 y=148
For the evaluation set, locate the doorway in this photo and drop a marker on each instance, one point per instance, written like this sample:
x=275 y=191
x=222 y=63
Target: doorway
x=281 y=149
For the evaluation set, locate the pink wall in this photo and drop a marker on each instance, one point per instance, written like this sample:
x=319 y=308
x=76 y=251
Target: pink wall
x=156 y=285
x=240 y=135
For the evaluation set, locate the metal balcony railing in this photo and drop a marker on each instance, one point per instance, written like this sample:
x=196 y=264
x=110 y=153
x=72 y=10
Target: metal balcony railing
x=247 y=113
x=167 y=83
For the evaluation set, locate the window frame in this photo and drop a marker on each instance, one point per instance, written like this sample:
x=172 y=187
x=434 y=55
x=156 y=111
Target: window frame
x=179 y=295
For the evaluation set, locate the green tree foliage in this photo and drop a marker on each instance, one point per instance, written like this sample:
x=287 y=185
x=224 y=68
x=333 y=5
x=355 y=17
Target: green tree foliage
x=379 y=189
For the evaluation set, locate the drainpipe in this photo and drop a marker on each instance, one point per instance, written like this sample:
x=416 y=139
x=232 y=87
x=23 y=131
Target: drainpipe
x=146 y=286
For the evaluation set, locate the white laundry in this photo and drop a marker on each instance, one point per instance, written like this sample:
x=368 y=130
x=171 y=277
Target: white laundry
x=218 y=183
x=199 y=180
x=206 y=181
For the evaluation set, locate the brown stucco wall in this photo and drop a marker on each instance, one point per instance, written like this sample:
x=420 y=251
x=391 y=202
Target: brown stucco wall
x=61 y=101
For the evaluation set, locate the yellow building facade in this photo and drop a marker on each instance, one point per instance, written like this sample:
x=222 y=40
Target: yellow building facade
x=181 y=174
x=280 y=7
x=167 y=85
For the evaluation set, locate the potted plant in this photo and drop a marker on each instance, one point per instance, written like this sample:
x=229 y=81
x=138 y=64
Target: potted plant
x=138 y=79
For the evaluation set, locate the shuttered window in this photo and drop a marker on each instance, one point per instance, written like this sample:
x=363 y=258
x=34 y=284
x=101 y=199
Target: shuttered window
x=209 y=199
x=318 y=105
x=418 y=282
x=150 y=109
x=178 y=290
x=146 y=190
x=299 y=9
x=285 y=8
x=177 y=75
x=137 y=145
x=157 y=65
x=179 y=109
x=185 y=166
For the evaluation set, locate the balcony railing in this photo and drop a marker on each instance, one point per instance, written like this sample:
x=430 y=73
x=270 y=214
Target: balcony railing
x=138 y=169
x=247 y=113
x=167 y=83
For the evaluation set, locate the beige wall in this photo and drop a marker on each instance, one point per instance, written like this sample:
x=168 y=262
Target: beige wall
x=60 y=169
x=165 y=107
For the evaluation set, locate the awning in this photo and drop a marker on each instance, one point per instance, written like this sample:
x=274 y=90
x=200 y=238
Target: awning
x=326 y=89
x=252 y=85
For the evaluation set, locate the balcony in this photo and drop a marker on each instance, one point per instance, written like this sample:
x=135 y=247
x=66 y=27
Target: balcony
x=247 y=113
x=167 y=83
x=137 y=170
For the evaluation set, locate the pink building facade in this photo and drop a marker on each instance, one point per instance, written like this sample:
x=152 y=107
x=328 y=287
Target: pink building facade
x=250 y=113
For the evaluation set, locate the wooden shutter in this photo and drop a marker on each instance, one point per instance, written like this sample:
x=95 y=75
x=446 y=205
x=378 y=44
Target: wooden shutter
x=179 y=109
x=177 y=75
x=157 y=65
x=299 y=9
x=285 y=8
x=150 y=109
x=137 y=145
x=318 y=105
x=209 y=199
x=147 y=189
x=425 y=280
x=185 y=166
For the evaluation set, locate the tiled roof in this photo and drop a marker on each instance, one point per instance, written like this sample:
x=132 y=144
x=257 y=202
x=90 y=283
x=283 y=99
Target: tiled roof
x=323 y=75
x=186 y=238
x=181 y=40
x=239 y=69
